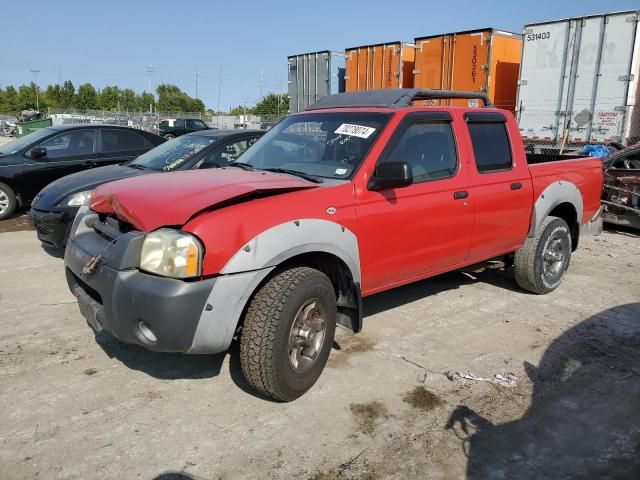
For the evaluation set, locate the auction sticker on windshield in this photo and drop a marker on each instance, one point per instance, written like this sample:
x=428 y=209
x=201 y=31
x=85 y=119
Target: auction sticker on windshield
x=355 y=130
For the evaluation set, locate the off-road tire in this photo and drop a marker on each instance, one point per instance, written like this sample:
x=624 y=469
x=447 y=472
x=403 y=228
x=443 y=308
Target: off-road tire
x=13 y=202
x=264 y=356
x=529 y=259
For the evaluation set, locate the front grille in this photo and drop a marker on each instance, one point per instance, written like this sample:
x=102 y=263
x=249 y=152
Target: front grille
x=110 y=227
x=44 y=228
x=90 y=291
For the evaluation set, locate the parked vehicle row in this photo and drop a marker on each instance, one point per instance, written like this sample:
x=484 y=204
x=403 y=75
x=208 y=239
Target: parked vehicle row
x=53 y=210
x=361 y=193
x=31 y=162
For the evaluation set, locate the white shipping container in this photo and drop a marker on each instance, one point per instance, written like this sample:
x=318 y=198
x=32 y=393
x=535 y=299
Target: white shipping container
x=579 y=80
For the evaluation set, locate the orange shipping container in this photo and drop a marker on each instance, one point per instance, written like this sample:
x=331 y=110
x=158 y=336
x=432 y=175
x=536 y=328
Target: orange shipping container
x=480 y=60
x=381 y=66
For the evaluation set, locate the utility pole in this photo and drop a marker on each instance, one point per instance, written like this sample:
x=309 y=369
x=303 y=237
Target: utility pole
x=261 y=83
x=60 y=75
x=149 y=74
x=218 y=107
x=244 y=112
x=197 y=73
x=35 y=74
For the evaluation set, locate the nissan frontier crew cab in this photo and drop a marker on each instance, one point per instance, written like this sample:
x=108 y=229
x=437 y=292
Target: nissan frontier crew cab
x=361 y=193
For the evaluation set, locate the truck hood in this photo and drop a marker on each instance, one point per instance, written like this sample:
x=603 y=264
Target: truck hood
x=152 y=201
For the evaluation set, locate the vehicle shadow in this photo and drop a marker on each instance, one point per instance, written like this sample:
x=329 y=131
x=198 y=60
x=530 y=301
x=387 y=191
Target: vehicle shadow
x=493 y=273
x=164 y=366
x=584 y=418
x=53 y=251
x=173 y=366
x=622 y=230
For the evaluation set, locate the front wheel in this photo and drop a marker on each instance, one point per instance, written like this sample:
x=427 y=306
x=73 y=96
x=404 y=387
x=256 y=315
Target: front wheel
x=288 y=333
x=169 y=136
x=8 y=202
x=540 y=264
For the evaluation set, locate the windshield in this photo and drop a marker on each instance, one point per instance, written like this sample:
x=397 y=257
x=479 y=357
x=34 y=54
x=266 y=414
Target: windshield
x=329 y=145
x=26 y=141
x=173 y=154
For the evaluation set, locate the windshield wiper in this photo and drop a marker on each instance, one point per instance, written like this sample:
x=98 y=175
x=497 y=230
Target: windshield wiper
x=244 y=166
x=310 y=178
x=138 y=166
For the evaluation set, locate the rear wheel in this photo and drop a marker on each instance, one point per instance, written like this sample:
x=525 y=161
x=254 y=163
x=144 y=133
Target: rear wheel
x=169 y=136
x=540 y=264
x=288 y=332
x=8 y=202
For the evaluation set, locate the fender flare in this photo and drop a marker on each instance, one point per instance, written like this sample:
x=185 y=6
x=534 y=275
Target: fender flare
x=556 y=193
x=252 y=263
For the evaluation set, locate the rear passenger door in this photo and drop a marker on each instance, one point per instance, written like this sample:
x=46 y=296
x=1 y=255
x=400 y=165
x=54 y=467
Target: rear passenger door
x=405 y=233
x=119 y=145
x=501 y=188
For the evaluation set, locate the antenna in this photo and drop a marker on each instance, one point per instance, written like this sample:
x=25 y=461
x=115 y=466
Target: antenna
x=197 y=73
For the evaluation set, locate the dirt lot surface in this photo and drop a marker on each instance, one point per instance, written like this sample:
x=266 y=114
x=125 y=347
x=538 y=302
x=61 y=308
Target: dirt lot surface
x=18 y=222
x=393 y=402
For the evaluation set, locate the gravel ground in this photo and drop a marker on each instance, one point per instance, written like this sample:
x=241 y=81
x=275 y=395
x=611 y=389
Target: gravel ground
x=389 y=405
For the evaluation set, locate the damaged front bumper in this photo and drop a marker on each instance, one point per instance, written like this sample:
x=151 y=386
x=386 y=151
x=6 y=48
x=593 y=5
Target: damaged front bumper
x=161 y=314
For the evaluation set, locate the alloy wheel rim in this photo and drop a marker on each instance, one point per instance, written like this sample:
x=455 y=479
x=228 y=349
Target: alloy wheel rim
x=307 y=336
x=4 y=202
x=554 y=256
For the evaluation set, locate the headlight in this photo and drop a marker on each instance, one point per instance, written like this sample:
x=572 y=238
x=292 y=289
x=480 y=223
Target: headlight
x=171 y=253
x=77 y=199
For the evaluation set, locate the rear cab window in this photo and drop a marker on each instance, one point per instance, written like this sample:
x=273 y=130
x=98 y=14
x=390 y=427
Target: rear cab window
x=490 y=141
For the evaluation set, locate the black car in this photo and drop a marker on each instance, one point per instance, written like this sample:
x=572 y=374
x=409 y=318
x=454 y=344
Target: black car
x=30 y=163
x=53 y=210
x=180 y=126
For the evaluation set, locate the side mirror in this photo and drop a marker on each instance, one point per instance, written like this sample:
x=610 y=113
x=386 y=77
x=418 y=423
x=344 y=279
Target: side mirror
x=391 y=175
x=38 y=152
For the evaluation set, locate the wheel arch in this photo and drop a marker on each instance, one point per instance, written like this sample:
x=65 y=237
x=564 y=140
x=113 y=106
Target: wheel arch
x=11 y=185
x=560 y=199
x=322 y=244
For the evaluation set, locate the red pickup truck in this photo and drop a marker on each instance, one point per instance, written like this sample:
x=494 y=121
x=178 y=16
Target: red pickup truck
x=361 y=193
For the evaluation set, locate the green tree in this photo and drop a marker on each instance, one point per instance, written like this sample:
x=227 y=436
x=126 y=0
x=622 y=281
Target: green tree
x=239 y=110
x=10 y=105
x=87 y=97
x=26 y=99
x=53 y=96
x=272 y=104
x=108 y=98
x=172 y=99
x=128 y=100
x=67 y=95
x=146 y=99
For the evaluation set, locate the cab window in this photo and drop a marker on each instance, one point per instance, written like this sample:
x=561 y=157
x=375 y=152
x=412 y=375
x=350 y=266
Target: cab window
x=428 y=147
x=490 y=141
x=71 y=144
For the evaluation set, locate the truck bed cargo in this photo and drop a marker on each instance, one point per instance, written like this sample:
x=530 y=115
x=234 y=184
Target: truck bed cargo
x=477 y=60
x=380 y=66
x=313 y=76
x=579 y=81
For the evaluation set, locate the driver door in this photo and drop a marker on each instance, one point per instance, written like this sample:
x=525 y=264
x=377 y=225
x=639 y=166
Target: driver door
x=67 y=153
x=407 y=233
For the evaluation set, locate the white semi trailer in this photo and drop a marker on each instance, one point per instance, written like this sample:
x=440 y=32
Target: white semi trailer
x=579 y=82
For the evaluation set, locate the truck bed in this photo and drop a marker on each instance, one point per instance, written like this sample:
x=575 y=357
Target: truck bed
x=534 y=158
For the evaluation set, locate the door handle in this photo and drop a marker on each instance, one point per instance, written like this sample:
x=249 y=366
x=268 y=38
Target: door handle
x=516 y=186
x=460 y=195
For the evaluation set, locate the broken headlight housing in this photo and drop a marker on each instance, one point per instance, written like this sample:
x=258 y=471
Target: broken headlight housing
x=171 y=253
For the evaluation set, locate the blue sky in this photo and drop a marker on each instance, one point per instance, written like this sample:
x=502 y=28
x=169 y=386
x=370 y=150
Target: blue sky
x=112 y=42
